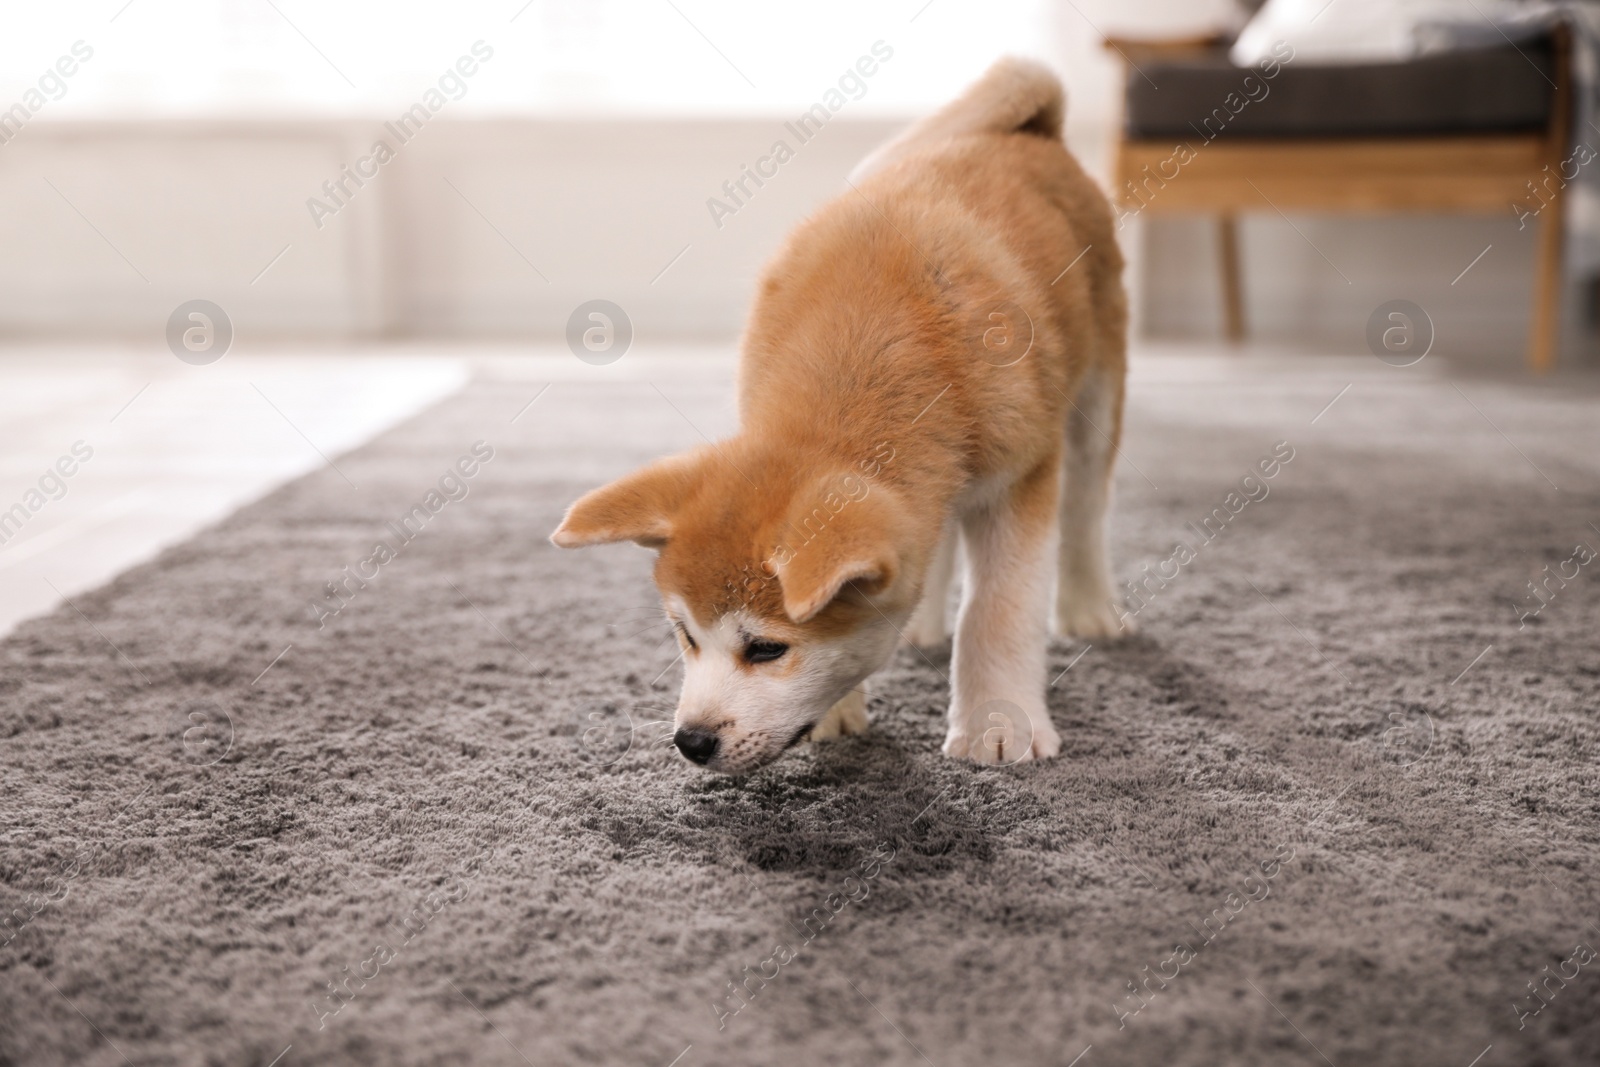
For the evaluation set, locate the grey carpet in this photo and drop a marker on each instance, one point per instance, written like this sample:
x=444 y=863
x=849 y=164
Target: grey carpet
x=431 y=790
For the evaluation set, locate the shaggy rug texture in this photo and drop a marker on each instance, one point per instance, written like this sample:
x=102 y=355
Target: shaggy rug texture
x=1336 y=803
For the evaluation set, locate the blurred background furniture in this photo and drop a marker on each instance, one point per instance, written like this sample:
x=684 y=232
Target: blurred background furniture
x=1461 y=132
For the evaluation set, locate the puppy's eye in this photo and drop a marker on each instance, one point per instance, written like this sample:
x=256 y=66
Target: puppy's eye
x=764 y=651
x=683 y=632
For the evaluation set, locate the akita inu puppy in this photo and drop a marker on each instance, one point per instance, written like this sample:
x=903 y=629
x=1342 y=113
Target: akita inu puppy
x=938 y=355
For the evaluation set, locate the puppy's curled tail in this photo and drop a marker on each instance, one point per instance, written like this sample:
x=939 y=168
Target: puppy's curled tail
x=1014 y=96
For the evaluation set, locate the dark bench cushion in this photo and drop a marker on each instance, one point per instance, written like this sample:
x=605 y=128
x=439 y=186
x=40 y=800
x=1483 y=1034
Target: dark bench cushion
x=1485 y=91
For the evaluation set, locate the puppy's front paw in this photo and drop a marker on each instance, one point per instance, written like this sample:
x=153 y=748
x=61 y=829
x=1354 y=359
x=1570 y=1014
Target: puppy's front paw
x=1090 y=620
x=1002 y=737
x=845 y=719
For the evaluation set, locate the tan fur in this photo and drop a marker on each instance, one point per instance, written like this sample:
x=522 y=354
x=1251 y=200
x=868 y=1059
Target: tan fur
x=872 y=412
x=846 y=718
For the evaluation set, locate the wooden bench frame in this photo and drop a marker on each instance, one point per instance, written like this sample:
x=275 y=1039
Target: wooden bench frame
x=1467 y=174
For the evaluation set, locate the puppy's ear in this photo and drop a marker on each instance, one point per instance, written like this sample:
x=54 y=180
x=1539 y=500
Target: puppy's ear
x=841 y=532
x=639 y=507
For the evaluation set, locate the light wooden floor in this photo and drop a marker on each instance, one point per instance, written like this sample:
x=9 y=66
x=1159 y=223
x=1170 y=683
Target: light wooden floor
x=175 y=447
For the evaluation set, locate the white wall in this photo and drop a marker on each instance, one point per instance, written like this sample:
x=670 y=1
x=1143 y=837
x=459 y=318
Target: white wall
x=111 y=226
x=601 y=211
x=178 y=210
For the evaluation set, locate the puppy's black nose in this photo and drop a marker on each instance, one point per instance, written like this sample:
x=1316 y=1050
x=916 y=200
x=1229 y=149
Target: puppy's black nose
x=698 y=745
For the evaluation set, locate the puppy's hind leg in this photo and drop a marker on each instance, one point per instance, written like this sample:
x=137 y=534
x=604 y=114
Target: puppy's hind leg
x=1085 y=602
x=929 y=624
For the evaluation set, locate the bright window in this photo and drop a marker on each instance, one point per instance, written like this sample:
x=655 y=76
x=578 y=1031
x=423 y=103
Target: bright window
x=557 y=57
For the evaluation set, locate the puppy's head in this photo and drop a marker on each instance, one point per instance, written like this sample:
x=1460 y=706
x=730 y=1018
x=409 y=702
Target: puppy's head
x=785 y=588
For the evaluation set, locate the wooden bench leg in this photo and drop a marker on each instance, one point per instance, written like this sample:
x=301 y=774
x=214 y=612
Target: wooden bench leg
x=1544 y=328
x=1232 y=289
